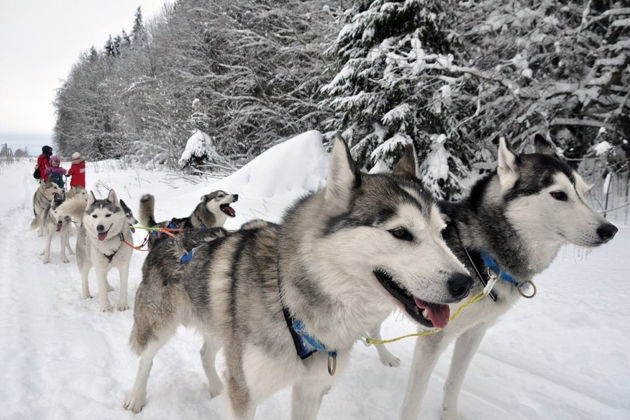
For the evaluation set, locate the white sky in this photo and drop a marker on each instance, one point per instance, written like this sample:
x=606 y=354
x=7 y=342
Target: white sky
x=41 y=40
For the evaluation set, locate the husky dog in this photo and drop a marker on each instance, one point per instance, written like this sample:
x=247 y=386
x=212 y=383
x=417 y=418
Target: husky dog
x=212 y=211
x=514 y=222
x=105 y=226
x=288 y=301
x=75 y=192
x=41 y=201
x=55 y=221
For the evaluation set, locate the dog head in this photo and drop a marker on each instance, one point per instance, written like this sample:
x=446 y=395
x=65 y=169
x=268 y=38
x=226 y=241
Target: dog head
x=59 y=217
x=545 y=200
x=49 y=190
x=104 y=219
x=77 y=192
x=220 y=201
x=382 y=240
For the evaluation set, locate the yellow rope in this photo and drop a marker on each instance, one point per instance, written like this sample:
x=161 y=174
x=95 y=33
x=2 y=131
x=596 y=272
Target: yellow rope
x=455 y=314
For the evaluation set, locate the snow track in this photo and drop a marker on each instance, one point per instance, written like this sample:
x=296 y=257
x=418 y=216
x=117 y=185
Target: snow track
x=562 y=355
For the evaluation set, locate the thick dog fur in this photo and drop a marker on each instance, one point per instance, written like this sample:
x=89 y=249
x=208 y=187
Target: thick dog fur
x=212 y=211
x=41 y=201
x=521 y=214
x=342 y=259
x=105 y=224
x=54 y=222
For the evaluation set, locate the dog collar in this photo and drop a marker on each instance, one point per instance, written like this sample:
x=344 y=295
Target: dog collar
x=527 y=289
x=305 y=344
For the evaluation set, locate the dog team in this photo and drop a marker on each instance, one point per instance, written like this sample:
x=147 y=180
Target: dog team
x=286 y=302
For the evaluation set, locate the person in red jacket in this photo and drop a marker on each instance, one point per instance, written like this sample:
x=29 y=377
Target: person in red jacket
x=77 y=171
x=43 y=162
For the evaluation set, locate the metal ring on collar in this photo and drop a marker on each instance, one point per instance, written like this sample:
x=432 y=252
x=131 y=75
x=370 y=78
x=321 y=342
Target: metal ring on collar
x=332 y=364
x=527 y=289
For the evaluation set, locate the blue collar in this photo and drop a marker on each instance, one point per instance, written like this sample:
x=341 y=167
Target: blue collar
x=494 y=266
x=306 y=344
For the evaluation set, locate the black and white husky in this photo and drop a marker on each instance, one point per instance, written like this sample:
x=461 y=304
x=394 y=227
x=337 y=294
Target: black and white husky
x=514 y=222
x=287 y=302
x=106 y=226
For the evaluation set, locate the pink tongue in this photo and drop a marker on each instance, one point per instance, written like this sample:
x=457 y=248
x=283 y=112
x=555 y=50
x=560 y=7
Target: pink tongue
x=102 y=236
x=229 y=211
x=59 y=226
x=437 y=314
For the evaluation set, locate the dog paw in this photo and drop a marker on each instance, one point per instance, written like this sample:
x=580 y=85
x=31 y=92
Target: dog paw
x=390 y=360
x=122 y=306
x=65 y=261
x=450 y=414
x=107 y=308
x=134 y=404
x=215 y=391
x=86 y=296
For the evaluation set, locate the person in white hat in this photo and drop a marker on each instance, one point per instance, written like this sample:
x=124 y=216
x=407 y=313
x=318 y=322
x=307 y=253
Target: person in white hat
x=77 y=171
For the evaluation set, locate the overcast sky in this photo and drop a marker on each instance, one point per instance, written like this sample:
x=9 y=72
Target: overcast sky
x=40 y=41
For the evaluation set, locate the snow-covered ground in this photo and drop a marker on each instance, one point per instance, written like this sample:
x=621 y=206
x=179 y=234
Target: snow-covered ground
x=562 y=355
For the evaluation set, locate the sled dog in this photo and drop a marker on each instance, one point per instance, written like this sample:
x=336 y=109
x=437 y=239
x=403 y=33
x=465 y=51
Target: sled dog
x=55 y=222
x=514 y=221
x=41 y=201
x=212 y=211
x=288 y=301
x=105 y=226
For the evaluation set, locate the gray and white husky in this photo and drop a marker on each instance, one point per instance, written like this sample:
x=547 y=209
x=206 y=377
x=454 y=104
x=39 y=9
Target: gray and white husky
x=55 y=222
x=514 y=221
x=106 y=225
x=288 y=301
x=42 y=198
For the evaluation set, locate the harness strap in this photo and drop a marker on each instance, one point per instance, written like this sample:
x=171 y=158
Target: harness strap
x=112 y=255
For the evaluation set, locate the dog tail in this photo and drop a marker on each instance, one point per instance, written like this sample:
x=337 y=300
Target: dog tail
x=147 y=206
x=35 y=223
x=74 y=208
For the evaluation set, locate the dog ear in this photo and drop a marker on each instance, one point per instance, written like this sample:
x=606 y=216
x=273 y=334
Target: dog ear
x=343 y=176
x=112 y=197
x=91 y=199
x=543 y=146
x=507 y=166
x=407 y=165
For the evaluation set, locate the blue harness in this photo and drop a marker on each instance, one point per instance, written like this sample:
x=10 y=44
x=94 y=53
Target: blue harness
x=505 y=276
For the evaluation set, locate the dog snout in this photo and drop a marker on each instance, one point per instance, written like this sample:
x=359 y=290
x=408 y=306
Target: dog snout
x=459 y=285
x=607 y=231
x=100 y=228
x=235 y=197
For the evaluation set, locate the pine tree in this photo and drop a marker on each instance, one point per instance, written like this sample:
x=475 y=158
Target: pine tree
x=138 y=32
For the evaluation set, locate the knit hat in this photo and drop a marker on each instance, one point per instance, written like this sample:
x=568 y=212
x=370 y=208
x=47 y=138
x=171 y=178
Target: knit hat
x=47 y=150
x=55 y=161
x=77 y=158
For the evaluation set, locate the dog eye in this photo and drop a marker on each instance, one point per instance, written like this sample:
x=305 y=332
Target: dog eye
x=93 y=216
x=402 y=234
x=108 y=215
x=559 y=195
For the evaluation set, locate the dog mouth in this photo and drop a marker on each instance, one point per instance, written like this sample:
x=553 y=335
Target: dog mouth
x=59 y=226
x=429 y=314
x=225 y=208
x=102 y=235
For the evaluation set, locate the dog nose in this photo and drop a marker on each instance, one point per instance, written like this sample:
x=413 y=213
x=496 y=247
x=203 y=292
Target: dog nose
x=459 y=285
x=100 y=228
x=607 y=231
x=235 y=197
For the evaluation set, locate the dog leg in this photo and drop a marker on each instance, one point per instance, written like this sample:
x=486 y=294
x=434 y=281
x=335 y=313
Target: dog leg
x=425 y=356
x=47 y=240
x=101 y=277
x=465 y=348
x=85 y=287
x=384 y=354
x=208 y=354
x=123 y=273
x=240 y=405
x=70 y=251
x=63 y=239
x=136 y=400
x=306 y=398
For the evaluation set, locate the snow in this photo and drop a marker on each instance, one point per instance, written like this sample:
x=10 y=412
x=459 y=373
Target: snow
x=602 y=147
x=198 y=145
x=562 y=355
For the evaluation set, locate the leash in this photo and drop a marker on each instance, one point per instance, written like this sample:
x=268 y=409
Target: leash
x=165 y=230
x=140 y=247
